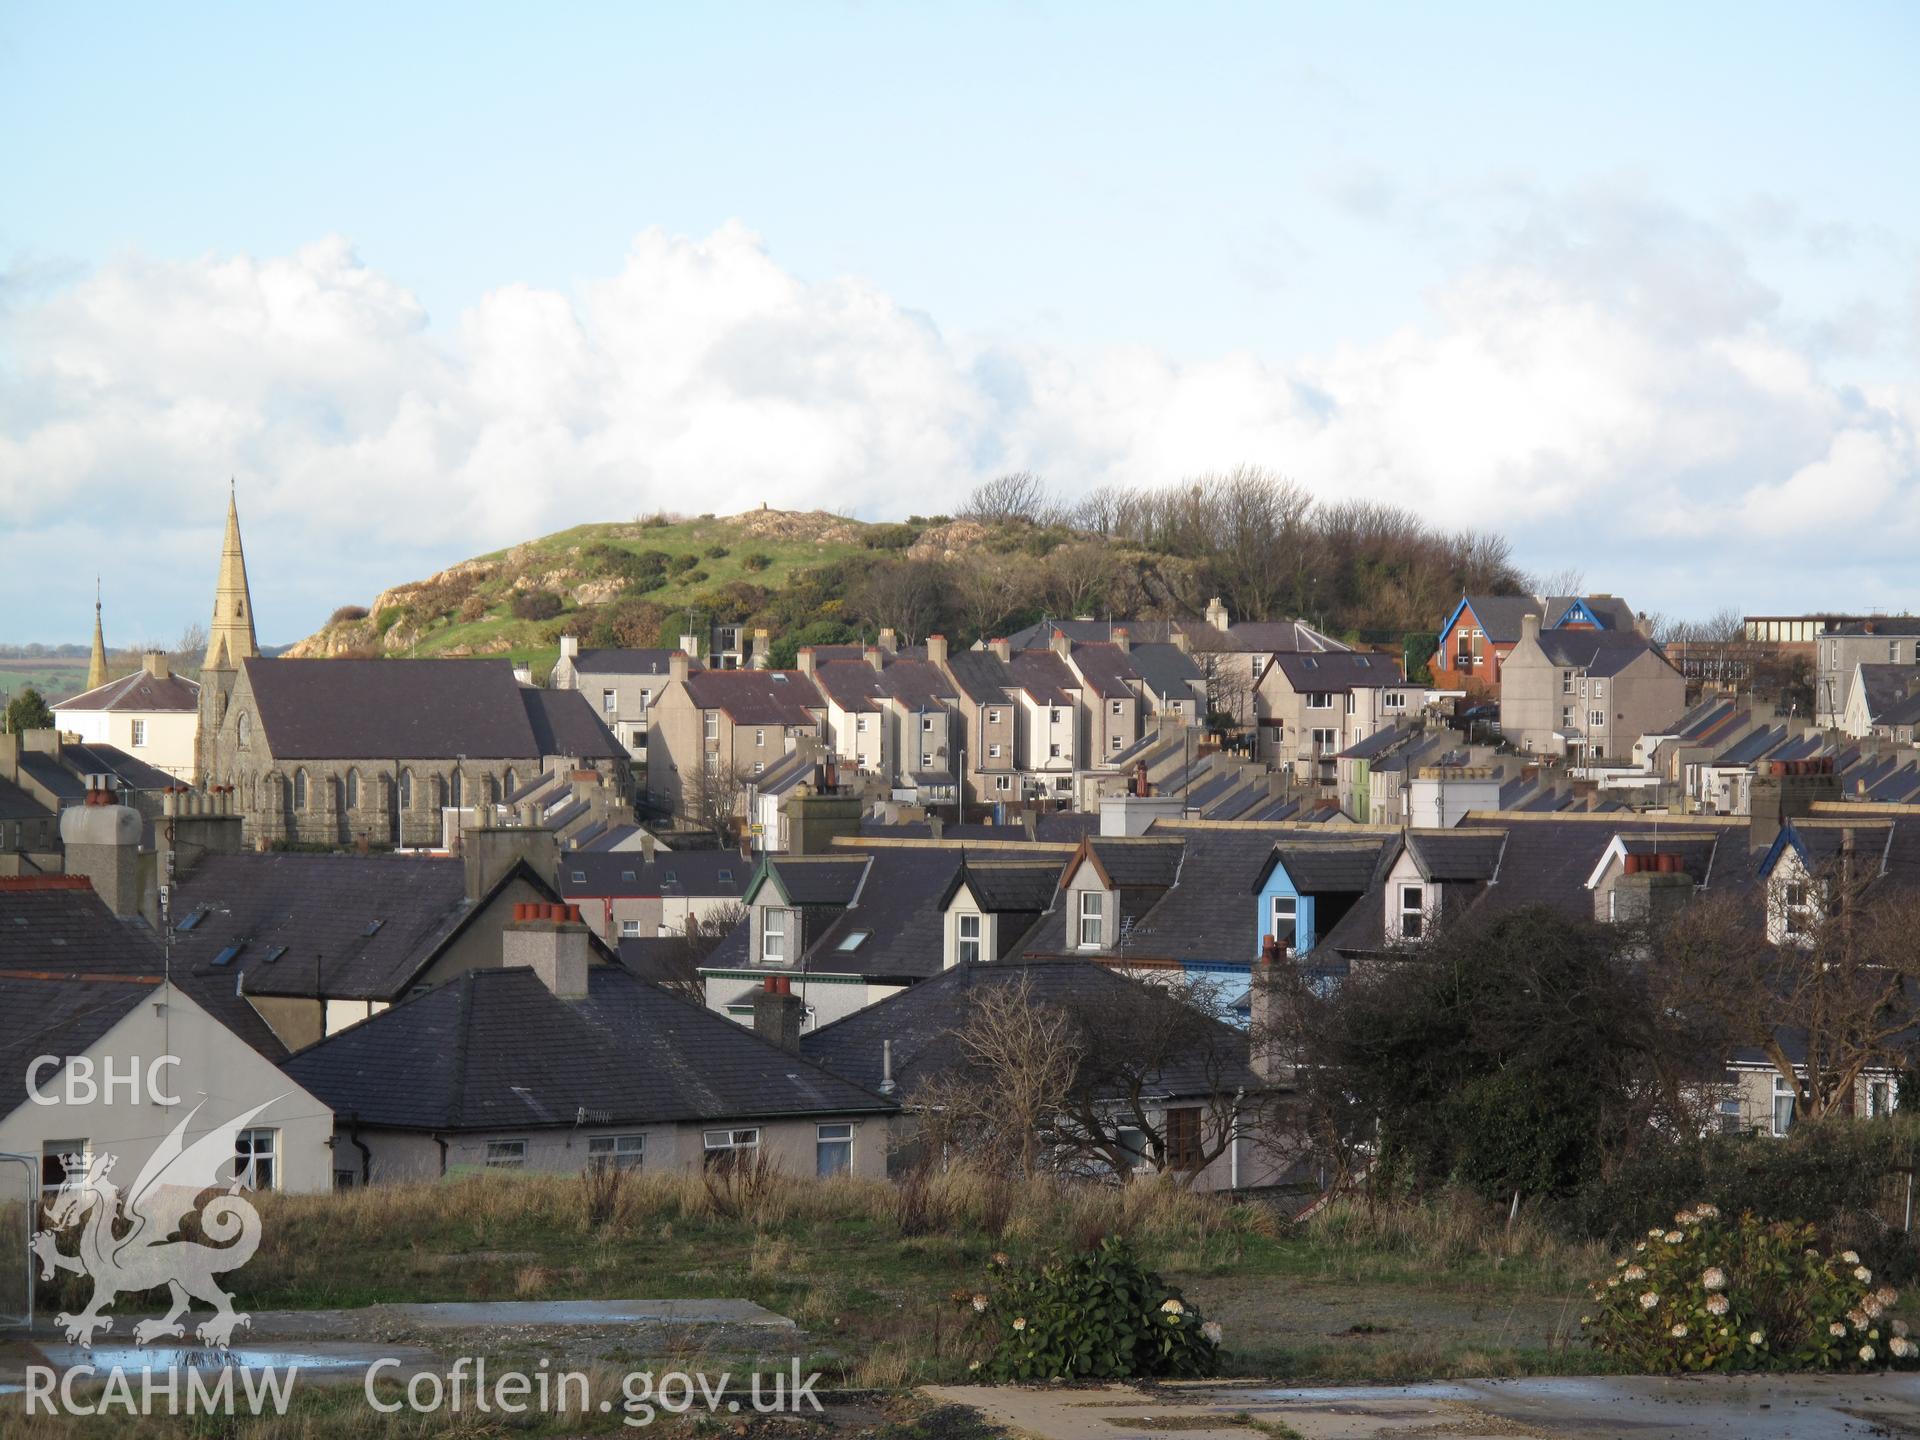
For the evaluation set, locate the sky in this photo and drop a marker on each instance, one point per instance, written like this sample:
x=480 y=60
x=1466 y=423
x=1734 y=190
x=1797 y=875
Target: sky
x=1638 y=286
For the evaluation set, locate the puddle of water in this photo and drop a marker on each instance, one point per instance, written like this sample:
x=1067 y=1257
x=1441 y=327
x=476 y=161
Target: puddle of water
x=1351 y=1394
x=589 y=1312
x=137 y=1358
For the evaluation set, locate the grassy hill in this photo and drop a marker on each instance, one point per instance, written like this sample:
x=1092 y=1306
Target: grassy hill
x=516 y=602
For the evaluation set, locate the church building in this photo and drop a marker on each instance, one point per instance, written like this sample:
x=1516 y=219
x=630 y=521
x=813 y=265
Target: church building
x=375 y=752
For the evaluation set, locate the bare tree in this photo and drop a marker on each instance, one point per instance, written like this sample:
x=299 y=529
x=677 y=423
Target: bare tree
x=1078 y=577
x=1019 y=495
x=1567 y=580
x=987 y=590
x=909 y=597
x=1017 y=1057
x=1822 y=983
x=677 y=962
x=712 y=796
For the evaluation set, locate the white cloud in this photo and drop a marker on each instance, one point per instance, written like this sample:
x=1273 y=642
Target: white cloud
x=1608 y=383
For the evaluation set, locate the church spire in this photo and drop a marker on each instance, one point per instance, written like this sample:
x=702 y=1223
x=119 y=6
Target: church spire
x=230 y=638
x=97 y=666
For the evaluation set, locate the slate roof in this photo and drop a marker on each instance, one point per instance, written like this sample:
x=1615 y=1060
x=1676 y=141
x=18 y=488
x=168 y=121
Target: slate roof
x=757 y=697
x=1316 y=867
x=1044 y=676
x=1340 y=671
x=1456 y=855
x=1207 y=913
x=55 y=778
x=981 y=676
x=321 y=908
x=496 y=1050
x=818 y=880
x=90 y=758
x=42 y=1015
x=625 y=874
x=139 y=693
x=922 y=1023
x=391 y=709
x=1165 y=669
x=1138 y=862
x=1106 y=669
x=1879 y=625
x=57 y=925
x=1886 y=686
x=16 y=804
x=856 y=686
x=1500 y=615
x=565 y=723
x=1007 y=886
x=1598 y=652
x=641 y=661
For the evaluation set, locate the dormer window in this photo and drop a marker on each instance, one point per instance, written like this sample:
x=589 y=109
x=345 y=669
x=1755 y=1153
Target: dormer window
x=1092 y=919
x=1413 y=912
x=966 y=939
x=773 y=937
x=1286 y=912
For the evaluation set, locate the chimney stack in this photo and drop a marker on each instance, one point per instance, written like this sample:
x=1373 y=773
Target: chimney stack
x=1530 y=627
x=154 y=662
x=889 y=641
x=803 y=657
x=887 y=1086
x=778 y=1012
x=1059 y=644
x=569 y=647
x=1001 y=647
x=647 y=846
x=1217 y=614
x=762 y=651
x=1122 y=640
x=873 y=656
x=677 y=666
x=102 y=841
x=551 y=940
x=937 y=651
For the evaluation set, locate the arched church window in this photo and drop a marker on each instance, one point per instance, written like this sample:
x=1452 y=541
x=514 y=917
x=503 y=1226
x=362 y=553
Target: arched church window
x=245 y=726
x=406 y=789
x=353 y=789
x=299 y=789
x=458 y=790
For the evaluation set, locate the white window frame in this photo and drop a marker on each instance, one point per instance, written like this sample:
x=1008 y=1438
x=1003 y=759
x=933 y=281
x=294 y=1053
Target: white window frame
x=835 y=1139
x=993 y=752
x=1319 y=699
x=712 y=724
x=139 y=733
x=506 y=1155
x=1416 y=911
x=1092 y=916
x=248 y=1146
x=629 y=929
x=1783 y=1092
x=724 y=1147
x=1291 y=914
x=773 y=937
x=616 y=1152
x=963 y=943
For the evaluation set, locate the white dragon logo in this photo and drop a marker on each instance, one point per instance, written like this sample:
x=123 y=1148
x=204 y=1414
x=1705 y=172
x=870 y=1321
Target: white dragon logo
x=129 y=1243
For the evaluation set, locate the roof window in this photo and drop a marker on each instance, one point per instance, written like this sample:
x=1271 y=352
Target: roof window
x=228 y=955
x=853 y=941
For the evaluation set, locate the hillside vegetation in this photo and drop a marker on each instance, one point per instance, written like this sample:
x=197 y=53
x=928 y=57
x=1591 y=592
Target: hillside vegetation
x=1013 y=556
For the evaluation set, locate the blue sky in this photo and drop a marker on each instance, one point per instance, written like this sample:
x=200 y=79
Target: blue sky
x=1629 y=283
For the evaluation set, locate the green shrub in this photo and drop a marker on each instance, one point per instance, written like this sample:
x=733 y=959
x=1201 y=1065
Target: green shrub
x=1744 y=1294
x=536 y=605
x=716 y=552
x=889 y=537
x=680 y=564
x=388 y=618
x=755 y=561
x=1099 y=1315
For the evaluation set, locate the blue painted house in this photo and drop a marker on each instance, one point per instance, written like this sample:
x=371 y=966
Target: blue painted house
x=1305 y=888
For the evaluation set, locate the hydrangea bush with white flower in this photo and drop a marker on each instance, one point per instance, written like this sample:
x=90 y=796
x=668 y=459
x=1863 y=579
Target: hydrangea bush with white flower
x=1099 y=1315
x=1736 y=1293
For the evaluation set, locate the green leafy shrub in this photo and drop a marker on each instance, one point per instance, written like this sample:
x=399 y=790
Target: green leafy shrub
x=716 y=552
x=1099 y=1315
x=388 y=618
x=1713 y=1293
x=889 y=537
x=755 y=561
x=680 y=564
x=536 y=605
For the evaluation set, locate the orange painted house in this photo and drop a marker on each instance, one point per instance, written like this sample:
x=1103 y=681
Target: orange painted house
x=1483 y=629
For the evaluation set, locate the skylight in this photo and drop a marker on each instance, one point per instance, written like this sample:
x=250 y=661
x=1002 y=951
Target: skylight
x=374 y=927
x=199 y=914
x=226 y=956
x=579 y=877
x=853 y=941
x=274 y=952
x=726 y=877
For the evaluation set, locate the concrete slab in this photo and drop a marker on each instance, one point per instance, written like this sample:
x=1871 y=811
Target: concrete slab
x=565 y=1314
x=1645 y=1407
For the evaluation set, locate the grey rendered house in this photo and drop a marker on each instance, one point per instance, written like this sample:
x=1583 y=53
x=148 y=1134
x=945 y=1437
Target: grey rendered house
x=1590 y=694
x=620 y=684
x=551 y=1063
